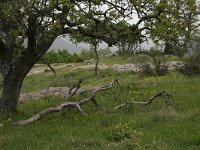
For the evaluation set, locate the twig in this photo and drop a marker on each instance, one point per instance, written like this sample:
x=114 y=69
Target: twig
x=73 y=90
x=48 y=65
x=80 y=109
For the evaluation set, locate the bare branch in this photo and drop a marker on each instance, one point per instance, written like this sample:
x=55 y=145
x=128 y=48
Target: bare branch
x=66 y=105
x=162 y=94
x=73 y=90
x=80 y=109
x=49 y=65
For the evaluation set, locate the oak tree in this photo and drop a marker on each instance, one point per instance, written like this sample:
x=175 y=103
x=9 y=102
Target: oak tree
x=29 y=27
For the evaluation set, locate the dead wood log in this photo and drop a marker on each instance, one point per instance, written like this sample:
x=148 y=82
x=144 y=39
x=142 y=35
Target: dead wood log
x=67 y=104
x=166 y=96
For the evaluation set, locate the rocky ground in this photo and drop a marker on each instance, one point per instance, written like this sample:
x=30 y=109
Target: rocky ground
x=38 y=69
x=63 y=91
x=51 y=91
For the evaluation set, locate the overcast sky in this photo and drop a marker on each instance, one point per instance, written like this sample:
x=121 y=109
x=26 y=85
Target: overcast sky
x=65 y=43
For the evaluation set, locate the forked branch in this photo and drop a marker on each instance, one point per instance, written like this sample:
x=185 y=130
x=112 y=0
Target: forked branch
x=77 y=105
x=67 y=104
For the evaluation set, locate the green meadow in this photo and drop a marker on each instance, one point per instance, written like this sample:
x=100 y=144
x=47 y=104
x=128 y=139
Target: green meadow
x=151 y=127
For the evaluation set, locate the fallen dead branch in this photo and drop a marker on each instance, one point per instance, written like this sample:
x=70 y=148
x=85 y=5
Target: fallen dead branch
x=169 y=100
x=67 y=104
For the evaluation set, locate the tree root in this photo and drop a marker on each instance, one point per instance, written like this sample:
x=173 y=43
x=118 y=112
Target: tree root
x=67 y=105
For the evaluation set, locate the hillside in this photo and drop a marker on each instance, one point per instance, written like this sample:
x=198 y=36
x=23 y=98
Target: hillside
x=65 y=43
x=155 y=126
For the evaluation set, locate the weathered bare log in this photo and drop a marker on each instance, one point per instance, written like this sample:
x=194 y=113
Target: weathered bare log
x=162 y=94
x=66 y=104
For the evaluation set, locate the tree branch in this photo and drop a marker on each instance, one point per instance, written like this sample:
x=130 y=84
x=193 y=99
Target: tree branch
x=49 y=65
x=66 y=105
x=162 y=94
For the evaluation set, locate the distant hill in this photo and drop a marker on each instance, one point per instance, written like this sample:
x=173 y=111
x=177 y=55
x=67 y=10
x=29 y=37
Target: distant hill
x=61 y=43
x=64 y=43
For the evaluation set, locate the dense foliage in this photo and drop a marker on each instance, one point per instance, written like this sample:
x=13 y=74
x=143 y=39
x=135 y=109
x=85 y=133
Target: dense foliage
x=192 y=61
x=61 y=56
x=90 y=54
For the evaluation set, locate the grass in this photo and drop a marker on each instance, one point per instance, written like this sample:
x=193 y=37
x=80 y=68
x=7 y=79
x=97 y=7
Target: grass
x=134 y=127
x=137 y=58
x=126 y=59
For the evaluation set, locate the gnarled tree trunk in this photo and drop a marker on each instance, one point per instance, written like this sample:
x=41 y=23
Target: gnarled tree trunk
x=13 y=77
x=10 y=94
x=15 y=68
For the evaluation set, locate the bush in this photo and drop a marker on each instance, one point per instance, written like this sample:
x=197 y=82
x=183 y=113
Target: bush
x=125 y=132
x=87 y=54
x=191 y=65
x=153 y=52
x=146 y=70
x=160 y=67
x=61 y=57
x=104 y=52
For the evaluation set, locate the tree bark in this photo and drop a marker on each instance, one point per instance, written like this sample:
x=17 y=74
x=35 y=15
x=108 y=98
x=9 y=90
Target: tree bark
x=10 y=94
x=97 y=59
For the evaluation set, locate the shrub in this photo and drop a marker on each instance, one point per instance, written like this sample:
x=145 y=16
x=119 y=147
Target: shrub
x=146 y=70
x=104 y=52
x=160 y=67
x=125 y=132
x=191 y=65
x=87 y=54
x=62 y=56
